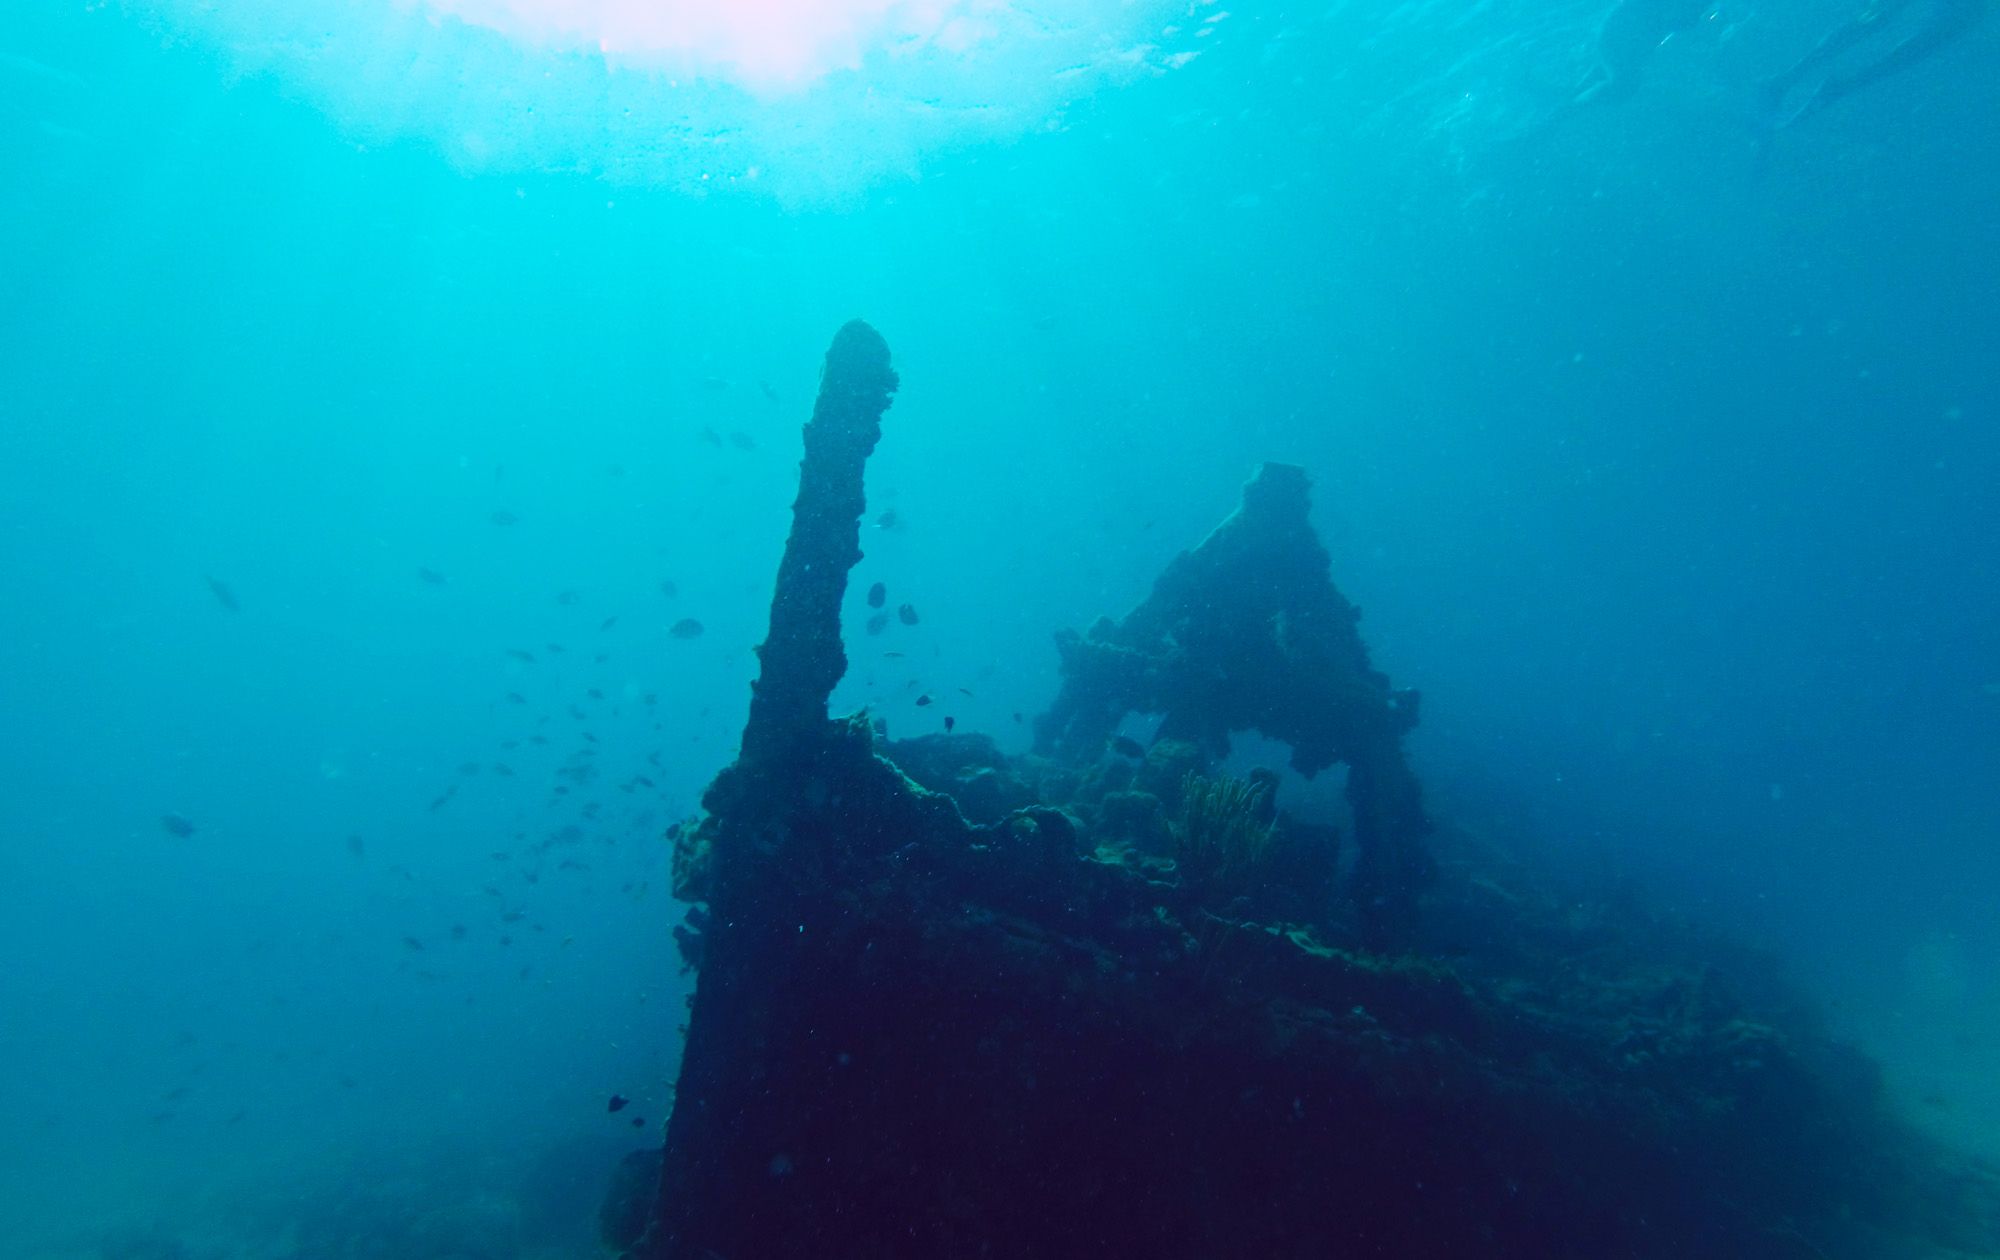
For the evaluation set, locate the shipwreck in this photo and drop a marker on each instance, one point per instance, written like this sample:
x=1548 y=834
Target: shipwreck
x=1110 y=1000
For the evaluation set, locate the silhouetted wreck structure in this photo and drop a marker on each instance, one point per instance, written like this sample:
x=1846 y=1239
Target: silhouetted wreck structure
x=1107 y=1000
x=1247 y=633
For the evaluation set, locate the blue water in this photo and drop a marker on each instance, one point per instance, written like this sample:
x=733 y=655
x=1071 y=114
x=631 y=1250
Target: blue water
x=1659 y=447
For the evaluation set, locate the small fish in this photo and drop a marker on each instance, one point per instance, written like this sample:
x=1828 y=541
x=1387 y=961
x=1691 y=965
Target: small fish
x=889 y=520
x=468 y=768
x=638 y=1122
x=554 y=648
x=607 y=623
x=595 y=694
x=710 y=436
x=458 y=931
x=923 y=700
x=878 y=594
x=715 y=384
x=618 y=1103
x=949 y=722
x=742 y=441
x=878 y=623
x=891 y=655
x=769 y=393
x=966 y=691
x=686 y=628
x=443 y=797
x=522 y=655
x=432 y=576
x=668 y=589
x=357 y=846
x=567 y=597
x=1125 y=746
x=223 y=595
x=177 y=824
x=504 y=517
x=1018 y=719
x=515 y=697
x=907 y=614
x=412 y=944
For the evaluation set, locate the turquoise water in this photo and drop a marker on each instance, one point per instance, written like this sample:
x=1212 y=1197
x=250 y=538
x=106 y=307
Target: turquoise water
x=1657 y=441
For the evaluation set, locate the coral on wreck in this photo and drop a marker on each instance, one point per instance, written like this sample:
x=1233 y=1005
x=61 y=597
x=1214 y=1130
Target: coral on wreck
x=1224 y=835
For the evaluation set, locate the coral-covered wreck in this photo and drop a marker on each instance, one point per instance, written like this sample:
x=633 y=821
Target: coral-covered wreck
x=1109 y=1001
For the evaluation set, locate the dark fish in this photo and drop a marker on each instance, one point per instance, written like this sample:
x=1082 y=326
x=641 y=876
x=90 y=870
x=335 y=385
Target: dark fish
x=963 y=691
x=412 y=944
x=668 y=589
x=891 y=655
x=638 y=1122
x=923 y=699
x=177 y=824
x=769 y=393
x=458 y=931
x=710 y=436
x=567 y=597
x=515 y=697
x=595 y=694
x=889 y=520
x=468 y=768
x=907 y=614
x=878 y=623
x=1125 y=746
x=223 y=595
x=432 y=576
x=555 y=647
x=715 y=383
x=502 y=769
x=522 y=655
x=949 y=722
x=608 y=622
x=742 y=441
x=357 y=846
x=618 y=1103
x=443 y=797
x=504 y=517
x=686 y=628
x=1017 y=717
x=878 y=594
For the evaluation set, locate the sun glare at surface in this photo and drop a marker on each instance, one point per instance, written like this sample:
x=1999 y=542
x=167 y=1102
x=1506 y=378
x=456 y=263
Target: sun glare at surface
x=765 y=45
x=804 y=100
